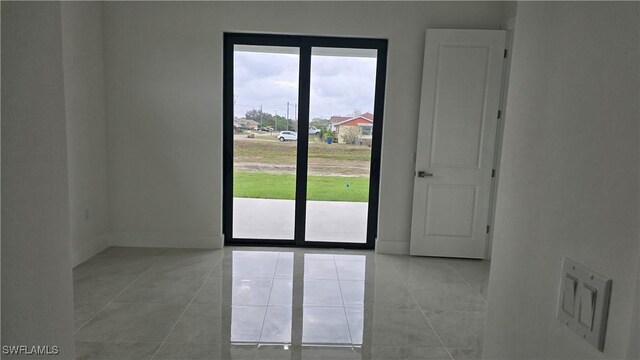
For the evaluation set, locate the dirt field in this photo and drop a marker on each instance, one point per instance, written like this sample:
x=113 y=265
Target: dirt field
x=266 y=154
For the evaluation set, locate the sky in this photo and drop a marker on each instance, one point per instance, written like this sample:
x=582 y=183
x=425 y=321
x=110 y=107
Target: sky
x=339 y=84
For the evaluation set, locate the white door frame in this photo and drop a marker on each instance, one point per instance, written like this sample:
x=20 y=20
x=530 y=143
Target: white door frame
x=508 y=25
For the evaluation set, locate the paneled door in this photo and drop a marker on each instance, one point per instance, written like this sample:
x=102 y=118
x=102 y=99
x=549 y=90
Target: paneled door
x=459 y=112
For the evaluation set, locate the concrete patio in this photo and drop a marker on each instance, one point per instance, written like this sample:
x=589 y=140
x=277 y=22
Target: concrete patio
x=331 y=221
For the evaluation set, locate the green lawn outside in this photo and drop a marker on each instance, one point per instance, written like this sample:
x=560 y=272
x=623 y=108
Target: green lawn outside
x=282 y=186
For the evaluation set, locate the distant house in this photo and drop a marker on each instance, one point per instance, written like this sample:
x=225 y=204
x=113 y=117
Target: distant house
x=244 y=124
x=363 y=121
x=338 y=119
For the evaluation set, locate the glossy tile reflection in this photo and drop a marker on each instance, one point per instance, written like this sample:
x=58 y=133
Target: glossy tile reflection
x=257 y=303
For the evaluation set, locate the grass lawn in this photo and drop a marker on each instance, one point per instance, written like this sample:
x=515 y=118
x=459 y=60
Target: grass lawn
x=282 y=186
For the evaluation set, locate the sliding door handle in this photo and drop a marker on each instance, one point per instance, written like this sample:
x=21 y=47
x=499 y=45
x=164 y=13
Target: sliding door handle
x=424 y=174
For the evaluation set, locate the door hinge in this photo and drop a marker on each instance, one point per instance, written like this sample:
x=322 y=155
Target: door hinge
x=493 y=173
x=499 y=114
x=488 y=228
x=505 y=53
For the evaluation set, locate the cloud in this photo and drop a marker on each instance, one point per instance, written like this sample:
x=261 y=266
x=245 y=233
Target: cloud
x=338 y=84
x=286 y=84
x=265 y=79
x=341 y=84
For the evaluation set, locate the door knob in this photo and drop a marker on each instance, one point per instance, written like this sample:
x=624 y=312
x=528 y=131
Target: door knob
x=424 y=174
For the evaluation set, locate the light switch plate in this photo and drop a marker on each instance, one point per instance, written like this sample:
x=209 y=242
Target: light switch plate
x=591 y=297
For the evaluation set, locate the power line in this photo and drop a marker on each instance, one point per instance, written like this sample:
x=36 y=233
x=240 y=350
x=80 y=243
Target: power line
x=267 y=106
x=273 y=108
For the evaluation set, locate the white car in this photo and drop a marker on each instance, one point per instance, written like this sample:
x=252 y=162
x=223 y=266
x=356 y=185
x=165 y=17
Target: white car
x=313 y=130
x=287 y=135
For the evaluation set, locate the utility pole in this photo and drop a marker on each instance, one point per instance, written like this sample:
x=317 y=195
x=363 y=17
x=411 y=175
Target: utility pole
x=235 y=99
x=287 y=115
x=295 y=116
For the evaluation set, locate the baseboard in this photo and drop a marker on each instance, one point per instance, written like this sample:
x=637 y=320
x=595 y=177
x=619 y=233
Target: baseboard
x=174 y=240
x=86 y=250
x=392 y=247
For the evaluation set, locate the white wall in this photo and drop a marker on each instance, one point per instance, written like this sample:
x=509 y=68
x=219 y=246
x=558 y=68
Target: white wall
x=86 y=127
x=634 y=337
x=569 y=182
x=164 y=101
x=37 y=294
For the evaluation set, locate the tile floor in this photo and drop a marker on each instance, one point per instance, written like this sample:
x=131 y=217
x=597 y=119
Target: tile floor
x=268 y=303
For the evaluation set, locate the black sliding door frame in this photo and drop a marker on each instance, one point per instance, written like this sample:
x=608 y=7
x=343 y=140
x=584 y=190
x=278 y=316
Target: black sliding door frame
x=305 y=45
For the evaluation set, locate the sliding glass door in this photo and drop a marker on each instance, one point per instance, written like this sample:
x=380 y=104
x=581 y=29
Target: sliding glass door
x=302 y=136
x=342 y=99
x=265 y=89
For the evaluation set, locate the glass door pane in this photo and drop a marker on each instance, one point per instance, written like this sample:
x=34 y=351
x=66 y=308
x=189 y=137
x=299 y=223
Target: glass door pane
x=265 y=92
x=341 y=107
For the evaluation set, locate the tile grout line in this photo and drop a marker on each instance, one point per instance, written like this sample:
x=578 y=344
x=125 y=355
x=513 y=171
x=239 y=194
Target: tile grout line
x=404 y=283
x=188 y=305
x=266 y=308
x=344 y=307
x=467 y=283
x=474 y=290
x=118 y=294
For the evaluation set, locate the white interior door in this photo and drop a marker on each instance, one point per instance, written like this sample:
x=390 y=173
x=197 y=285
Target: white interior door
x=461 y=82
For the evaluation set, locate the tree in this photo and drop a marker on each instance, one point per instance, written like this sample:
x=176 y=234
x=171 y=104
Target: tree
x=350 y=134
x=265 y=119
x=320 y=122
x=262 y=118
x=253 y=114
x=280 y=123
x=325 y=133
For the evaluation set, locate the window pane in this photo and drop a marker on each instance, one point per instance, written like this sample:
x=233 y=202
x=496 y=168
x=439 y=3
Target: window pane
x=264 y=179
x=340 y=136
